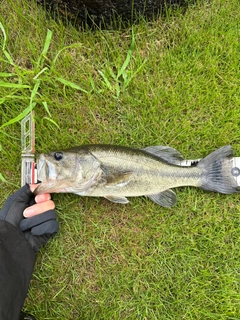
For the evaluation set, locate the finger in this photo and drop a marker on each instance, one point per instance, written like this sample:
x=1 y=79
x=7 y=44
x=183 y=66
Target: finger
x=42 y=197
x=33 y=186
x=48 y=227
x=27 y=224
x=38 y=208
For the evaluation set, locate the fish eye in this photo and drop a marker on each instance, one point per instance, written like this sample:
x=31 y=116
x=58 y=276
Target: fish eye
x=58 y=156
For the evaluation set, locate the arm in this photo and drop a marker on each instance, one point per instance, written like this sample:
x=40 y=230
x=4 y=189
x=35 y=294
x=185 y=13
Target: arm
x=20 y=239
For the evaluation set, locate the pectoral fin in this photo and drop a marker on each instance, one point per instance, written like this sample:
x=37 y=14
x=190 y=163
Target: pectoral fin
x=115 y=199
x=115 y=178
x=165 y=198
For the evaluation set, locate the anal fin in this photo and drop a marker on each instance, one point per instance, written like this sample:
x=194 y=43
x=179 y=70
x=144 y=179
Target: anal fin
x=165 y=198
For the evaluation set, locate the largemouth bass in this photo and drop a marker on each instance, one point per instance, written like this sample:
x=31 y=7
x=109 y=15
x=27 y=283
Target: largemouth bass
x=117 y=172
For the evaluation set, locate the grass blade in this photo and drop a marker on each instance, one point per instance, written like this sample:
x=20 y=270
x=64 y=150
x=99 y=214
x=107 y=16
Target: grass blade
x=39 y=73
x=12 y=97
x=4 y=36
x=45 y=49
x=75 y=45
x=52 y=121
x=2 y=178
x=19 y=117
x=35 y=89
x=127 y=81
x=6 y=74
x=7 y=55
x=13 y=85
x=107 y=83
x=46 y=107
x=128 y=58
x=50 y=116
x=70 y=84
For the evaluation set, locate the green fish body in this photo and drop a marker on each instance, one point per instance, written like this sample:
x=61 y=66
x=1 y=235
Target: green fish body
x=117 y=172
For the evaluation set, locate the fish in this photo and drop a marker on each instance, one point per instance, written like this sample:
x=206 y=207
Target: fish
x=118 y=172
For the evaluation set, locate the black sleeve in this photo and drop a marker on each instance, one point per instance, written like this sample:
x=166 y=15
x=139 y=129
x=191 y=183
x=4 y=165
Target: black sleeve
x=17 y=260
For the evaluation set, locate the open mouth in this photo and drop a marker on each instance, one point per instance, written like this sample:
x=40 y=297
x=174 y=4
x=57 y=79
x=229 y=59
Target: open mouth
x=41 y=174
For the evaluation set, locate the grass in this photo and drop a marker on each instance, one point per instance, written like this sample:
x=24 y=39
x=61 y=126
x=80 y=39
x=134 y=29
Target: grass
x=174 y=81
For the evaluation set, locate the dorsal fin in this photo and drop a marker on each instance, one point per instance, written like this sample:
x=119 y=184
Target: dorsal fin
x=166 y=153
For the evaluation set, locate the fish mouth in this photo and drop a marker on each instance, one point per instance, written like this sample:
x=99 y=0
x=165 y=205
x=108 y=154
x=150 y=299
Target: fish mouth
x=46 y=175
x=46 y=170
x=41 y=171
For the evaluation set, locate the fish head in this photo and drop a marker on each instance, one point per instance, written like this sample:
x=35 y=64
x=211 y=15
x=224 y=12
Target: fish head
x=65 y=171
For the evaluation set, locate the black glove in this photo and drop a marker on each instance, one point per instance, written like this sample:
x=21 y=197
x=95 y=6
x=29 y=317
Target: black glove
x=38 y=229
x=20 y=238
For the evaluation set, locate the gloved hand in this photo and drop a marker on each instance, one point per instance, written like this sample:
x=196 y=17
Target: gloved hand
x=37 y=229
x=26 y=223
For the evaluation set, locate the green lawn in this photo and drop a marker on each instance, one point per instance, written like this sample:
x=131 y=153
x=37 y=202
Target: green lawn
x=174 y=81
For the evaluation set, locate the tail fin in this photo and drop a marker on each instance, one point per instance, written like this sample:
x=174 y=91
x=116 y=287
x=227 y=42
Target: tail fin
x=216 y=171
